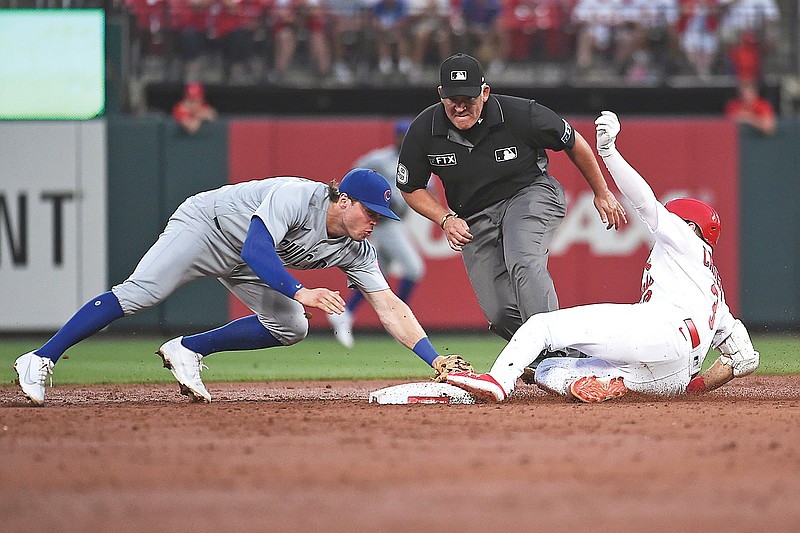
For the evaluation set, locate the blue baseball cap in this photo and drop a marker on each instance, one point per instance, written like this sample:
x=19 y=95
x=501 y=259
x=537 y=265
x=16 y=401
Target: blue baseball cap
x=370 y=188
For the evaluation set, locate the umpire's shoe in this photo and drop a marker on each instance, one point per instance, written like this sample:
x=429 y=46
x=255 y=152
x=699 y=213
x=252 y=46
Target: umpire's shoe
x=33 y=370
x=185 y=366
x=529 y=374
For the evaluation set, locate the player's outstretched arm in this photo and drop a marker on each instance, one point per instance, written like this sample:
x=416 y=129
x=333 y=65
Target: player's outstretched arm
x=629 y=181
x=396 y=317
x=611 y=211
x=401 y=323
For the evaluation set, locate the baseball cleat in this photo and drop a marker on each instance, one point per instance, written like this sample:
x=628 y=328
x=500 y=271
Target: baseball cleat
x=591 y=389
x=343 y=328
x=33 y=370
x=185 y=365
x=482 y=386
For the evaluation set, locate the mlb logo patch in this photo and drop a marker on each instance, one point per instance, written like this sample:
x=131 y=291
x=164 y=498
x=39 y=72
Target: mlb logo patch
x=505 y=154
x=458 y=75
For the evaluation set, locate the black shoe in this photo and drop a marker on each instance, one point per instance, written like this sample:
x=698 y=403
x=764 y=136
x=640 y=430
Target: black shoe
x=528 y=373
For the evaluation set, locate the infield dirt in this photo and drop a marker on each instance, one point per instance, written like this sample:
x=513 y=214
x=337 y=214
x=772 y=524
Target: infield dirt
x=317 y=456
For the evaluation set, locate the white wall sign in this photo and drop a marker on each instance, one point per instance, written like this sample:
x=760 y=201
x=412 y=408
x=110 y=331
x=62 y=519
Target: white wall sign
x=52 y=221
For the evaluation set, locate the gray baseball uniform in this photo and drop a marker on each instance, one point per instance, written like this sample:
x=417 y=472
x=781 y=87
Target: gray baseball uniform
x=204 y=238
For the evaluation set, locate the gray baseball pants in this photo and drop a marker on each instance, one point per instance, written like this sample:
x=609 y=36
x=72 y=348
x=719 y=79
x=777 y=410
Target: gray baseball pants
x=507 y=259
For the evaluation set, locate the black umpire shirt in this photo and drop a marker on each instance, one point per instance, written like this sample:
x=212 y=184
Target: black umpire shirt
x=490 y=162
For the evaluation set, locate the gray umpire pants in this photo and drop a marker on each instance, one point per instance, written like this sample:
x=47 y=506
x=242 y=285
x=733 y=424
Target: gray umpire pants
x=507 y=259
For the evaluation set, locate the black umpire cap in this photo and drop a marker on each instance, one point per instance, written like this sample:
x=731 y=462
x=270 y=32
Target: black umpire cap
x=461 y=75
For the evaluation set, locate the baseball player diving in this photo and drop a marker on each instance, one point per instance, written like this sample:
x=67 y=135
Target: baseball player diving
x=656 y=346
x=246 y=235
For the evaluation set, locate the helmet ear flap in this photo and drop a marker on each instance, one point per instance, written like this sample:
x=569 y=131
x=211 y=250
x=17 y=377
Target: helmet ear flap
x=703 y=215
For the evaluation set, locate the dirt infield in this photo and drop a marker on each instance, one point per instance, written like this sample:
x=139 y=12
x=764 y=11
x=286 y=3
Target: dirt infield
x=318 y=457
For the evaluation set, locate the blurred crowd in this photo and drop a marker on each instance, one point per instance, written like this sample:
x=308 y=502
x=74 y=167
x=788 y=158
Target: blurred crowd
x=348 y=41
x=356 y=41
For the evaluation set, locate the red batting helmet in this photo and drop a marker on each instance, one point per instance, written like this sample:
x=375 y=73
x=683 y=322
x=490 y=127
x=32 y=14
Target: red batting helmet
x=700 y=213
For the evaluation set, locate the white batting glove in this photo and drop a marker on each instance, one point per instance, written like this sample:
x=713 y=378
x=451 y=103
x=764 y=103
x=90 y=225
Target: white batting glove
x=607 y=126
x=738 y=352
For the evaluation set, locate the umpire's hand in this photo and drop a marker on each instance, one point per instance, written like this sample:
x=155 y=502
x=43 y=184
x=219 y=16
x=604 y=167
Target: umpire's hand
x=457 y=232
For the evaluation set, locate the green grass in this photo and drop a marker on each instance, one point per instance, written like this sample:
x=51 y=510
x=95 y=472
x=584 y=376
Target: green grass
x=132 y=359
x=107 y=359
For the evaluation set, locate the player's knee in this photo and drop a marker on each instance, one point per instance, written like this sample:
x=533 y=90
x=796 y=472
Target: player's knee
x=551 y=375
x=291 y=333
x=134 y=296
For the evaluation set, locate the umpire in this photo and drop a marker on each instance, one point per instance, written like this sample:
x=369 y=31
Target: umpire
x=490 y=153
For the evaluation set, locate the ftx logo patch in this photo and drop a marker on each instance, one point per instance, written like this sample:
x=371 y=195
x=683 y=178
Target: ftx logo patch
x=505 y=154
x=442 y=160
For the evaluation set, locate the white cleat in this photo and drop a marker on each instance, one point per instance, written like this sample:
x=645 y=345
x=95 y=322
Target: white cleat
x=33 y=370
x=343 y=328
x=482 y=386
x=185 y=366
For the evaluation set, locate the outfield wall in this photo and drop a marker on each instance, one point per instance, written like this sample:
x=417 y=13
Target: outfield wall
x=588 y=263
x=152 y=166
x=52 y=220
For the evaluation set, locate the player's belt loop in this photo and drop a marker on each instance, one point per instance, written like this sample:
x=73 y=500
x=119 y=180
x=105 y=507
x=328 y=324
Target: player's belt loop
x=216 y=223
x=692 y=332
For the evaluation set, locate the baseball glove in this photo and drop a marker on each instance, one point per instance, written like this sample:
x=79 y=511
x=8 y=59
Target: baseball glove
x=444 y=364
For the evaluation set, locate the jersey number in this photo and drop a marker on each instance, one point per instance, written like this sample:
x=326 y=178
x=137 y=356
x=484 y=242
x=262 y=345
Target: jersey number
x=713 y=317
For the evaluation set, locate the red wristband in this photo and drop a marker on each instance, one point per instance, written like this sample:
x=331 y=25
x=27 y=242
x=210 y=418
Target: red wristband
x=696 y=385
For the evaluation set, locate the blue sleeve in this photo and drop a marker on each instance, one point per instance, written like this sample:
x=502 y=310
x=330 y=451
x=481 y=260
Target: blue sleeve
x=260 y=255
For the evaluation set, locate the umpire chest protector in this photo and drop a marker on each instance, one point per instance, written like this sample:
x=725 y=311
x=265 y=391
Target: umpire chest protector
x=488 y=163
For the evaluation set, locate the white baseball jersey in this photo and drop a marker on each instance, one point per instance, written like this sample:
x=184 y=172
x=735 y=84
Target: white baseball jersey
x=655 y=345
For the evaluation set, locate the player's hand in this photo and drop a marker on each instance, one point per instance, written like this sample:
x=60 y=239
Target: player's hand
x=327 y=300
x=456 y=230
x=607 y=127
x=611 y=211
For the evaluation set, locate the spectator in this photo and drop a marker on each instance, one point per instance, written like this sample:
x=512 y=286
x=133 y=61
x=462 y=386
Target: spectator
x=150 y=26
x=193 y=109
x=430 y=31
x=293 y=18
x=535 y=29
x=347 y=25
x=596 y=22
x=232 y=27
x=698 y=27
x=660 y=20
x=190 y=23
x=647 y=30
x=390 y=20
x=748 y=30
x=752 y=109
x=480 y=23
